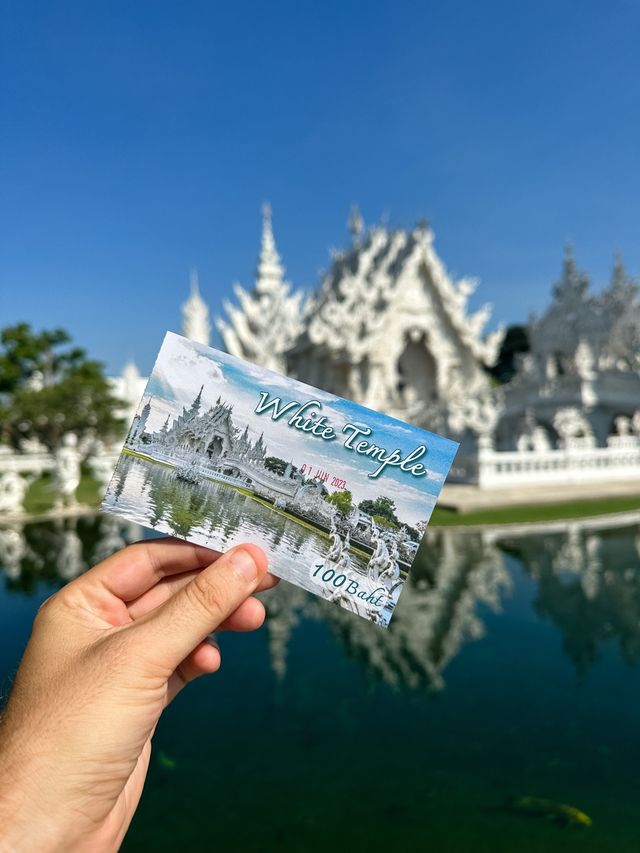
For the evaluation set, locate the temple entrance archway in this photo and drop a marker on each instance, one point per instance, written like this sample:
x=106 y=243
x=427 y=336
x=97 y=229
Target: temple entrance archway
x=417 y=372
x=215 y=447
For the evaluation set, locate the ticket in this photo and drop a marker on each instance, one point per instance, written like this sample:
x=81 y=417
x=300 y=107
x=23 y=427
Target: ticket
x=222 y=451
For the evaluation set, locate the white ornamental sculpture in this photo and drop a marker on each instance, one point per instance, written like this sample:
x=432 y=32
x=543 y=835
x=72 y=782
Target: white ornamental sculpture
x=573 y=428
x=66 y=471
x=269 y=318
x=128 y=387
x=621 y=309
x=12 y=491
x=195 y=314
x=100 y=462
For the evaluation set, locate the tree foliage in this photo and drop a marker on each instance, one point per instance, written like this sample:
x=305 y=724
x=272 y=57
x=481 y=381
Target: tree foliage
x=515 y=343
x=277 y=465
x=383 y=521
x=383 y=507
x=342 y=500
x=49 y=387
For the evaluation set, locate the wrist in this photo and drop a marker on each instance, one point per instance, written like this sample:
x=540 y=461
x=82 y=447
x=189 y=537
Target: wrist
x=26 y=826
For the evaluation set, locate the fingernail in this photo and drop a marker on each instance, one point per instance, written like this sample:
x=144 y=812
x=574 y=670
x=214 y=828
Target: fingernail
x=212 y=640
x=243 y=562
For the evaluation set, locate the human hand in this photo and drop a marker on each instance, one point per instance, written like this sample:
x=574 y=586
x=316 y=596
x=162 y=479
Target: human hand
x=107 y=654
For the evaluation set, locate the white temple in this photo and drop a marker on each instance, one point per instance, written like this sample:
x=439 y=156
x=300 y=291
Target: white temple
x=580 y=383
x=389 y=328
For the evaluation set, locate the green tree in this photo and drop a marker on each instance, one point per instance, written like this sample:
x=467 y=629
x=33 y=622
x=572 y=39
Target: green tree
x=382 y=506
x=277 y=465
x=515 y=343
x=343 y=500
x=385 y=522
x=48 y=388
x=27 y=356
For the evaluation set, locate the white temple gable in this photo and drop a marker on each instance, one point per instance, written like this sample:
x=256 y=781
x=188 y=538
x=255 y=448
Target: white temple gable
x=390 y=329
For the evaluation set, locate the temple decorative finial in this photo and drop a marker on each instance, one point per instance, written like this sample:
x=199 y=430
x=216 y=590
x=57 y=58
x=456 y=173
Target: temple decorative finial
x=195 y=406
x=270 y=271
x=195 y=314
x=355 y=223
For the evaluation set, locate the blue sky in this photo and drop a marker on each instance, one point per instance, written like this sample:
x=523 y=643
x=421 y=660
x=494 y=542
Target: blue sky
x=139 y=139
x=183 y=367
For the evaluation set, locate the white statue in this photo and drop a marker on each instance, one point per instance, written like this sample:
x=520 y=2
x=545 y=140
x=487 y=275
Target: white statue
x=533 y=436
x=66 y=471
x=573 y=428
x=584 y=360
x=623 y=425
x=13 y=488
x=335 y=550
x=100 y=463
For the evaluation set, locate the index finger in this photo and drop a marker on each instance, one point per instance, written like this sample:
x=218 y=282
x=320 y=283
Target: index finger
x=134 y=570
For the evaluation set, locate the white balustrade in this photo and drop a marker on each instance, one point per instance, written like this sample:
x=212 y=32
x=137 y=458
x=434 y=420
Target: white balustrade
x=619 y=461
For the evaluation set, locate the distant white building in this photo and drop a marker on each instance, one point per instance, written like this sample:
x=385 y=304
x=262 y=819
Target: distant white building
x=580 y=383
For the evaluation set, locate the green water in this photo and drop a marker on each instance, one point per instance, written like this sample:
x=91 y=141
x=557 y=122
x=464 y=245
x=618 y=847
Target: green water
x=510 y=669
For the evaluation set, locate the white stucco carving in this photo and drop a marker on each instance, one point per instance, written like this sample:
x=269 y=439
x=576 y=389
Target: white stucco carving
x=390 y=329
x=66 y=471
x=267 y=320
x=13 y=488
x=195 y=314
x=582 y=371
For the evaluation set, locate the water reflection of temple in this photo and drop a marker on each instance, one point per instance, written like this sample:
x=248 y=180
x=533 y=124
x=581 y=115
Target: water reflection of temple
x=58 y=551
x=588 y=583
x=438 y=612
x=586 y=576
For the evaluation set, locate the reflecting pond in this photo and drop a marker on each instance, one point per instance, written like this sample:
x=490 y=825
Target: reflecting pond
x=510 y=670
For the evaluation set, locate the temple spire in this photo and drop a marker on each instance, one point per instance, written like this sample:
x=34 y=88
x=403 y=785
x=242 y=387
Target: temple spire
x=270 y=272
x=195 y=314
x=355 y=223
x=195 y=406
x=268 y=319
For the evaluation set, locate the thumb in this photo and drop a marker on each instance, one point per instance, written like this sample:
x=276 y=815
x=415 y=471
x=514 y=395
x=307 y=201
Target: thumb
x=174 y=629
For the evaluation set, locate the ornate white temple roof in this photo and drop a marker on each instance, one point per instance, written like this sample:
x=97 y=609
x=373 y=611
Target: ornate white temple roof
x=267 y=320
x=365 y=283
